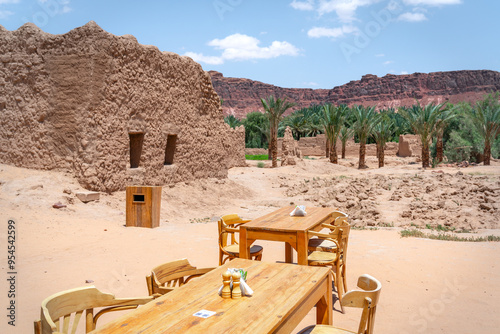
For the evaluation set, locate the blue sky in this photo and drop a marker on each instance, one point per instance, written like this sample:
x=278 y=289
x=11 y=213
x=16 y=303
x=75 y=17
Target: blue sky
x=291 y=43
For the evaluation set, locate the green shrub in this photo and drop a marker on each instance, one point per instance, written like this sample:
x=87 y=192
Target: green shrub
x=261 y=165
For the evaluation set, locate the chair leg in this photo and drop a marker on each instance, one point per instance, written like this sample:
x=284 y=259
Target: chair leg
x=344 y=277
x=258 y=257
x=338 y=284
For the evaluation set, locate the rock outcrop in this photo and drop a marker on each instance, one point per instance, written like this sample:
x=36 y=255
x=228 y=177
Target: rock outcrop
x=112 y=111
x=242 y=96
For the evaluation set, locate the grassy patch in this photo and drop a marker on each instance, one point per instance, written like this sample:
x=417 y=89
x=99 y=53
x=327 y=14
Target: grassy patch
x=257 y=157
x=446 y=237
x=199 y=220
x=261 y=165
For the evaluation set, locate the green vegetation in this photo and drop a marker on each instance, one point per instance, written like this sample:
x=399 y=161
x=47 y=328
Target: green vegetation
x=257 y=157
x=261 y=165
x=446 y=237
x=199 y=220
x=450 y=132
x=275 y=108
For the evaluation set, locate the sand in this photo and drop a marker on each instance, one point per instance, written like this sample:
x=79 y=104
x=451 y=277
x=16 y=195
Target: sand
x=428 y=286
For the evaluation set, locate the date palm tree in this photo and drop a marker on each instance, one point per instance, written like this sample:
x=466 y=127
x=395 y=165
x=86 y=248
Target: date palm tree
x=232 y=121
x=333 y=120
x=345 y=134
x=424 y=122
x=485 y=116
x=382 y=132
x=441 y=126
x=365 y=121
x=275 y=108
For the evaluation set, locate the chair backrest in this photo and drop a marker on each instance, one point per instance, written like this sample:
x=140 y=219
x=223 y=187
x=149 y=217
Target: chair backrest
x=338 y=214
x=167 y=276
x=228 y=226
x=69 y=306
x=367 y=299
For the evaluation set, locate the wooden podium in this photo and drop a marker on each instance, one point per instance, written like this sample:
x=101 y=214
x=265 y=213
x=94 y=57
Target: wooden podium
x=143 y=206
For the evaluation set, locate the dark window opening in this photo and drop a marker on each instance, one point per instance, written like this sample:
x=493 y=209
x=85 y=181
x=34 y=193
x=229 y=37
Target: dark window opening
x=170 y=149
x=136 y=140
x=139 y=198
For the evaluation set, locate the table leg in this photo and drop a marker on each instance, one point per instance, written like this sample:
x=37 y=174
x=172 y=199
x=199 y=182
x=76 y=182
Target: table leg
x=324 y=308
x=302 y=248
x=288 y=253
x=244 y=244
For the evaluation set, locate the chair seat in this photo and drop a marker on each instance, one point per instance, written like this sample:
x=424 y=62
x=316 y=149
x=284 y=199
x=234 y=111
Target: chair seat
x=321 y=244
x=235 y=249
x=325 y=257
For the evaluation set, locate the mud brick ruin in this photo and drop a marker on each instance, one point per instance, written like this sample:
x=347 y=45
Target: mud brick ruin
x=110 y=110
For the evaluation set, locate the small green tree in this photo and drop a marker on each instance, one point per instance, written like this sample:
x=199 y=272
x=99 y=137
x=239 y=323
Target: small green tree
x=485 y=116
x=232 y=121
x=253 y=123
x=333 y=120
x=365 y=122
x=275 y=108
x=382 y=132
x=346 y=133
x=424 y=121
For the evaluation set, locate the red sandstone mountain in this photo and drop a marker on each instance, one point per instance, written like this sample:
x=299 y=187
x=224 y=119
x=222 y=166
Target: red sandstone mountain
x=242 y=96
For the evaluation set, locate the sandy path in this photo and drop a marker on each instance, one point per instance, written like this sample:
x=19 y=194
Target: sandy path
x=428 y=286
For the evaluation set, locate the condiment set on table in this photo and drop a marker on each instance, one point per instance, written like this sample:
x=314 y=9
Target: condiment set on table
x=234 y=284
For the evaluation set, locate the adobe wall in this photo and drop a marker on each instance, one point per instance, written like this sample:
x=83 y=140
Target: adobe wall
x=73 y=101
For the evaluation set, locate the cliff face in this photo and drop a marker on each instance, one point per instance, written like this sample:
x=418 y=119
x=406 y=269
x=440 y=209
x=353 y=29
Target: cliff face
x=242 y=96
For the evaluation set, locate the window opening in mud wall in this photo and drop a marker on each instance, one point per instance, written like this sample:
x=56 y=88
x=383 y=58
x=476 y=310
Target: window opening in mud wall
x=170 y=149
x=136 y=140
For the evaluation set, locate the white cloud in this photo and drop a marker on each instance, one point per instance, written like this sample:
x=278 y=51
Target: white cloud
x=239 y=47
x=5 y=14
x=345 y=9
x=318 y=32
x=380 y=55
x=310 y=84
x=403 y=72
x=388 y=62
x=303 y=5
x=432 y=2
x=200 y=58
x=412 y=17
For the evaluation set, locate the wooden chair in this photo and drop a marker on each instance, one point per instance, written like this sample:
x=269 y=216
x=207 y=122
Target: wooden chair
x=69 y=306
x=367 y=299
x=168 y=276
x=319 y=244
x=230 y=249
x=331 y=251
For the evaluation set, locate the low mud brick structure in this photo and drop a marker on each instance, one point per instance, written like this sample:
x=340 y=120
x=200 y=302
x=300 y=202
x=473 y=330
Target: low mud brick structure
x=110 y=110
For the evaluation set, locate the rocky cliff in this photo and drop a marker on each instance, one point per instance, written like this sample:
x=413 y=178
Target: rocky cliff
x=242 y=96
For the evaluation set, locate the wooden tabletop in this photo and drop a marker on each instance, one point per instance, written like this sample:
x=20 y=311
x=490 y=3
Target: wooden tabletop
x=280 y=220
x=283 y=295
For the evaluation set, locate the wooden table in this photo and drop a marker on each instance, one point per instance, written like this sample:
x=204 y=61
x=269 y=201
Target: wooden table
x=283 y=295
x=280 y=226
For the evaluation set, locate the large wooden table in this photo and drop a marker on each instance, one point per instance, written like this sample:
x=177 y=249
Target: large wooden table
x=283 y=295
x=280 y=226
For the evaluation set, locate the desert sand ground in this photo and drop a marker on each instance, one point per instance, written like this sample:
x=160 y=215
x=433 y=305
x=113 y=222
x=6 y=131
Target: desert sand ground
x=428 y=286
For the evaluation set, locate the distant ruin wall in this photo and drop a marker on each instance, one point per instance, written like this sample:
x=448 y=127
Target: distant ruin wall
x=113 y=111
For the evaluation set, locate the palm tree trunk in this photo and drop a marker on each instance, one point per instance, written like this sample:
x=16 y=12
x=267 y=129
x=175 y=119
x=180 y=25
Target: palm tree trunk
x=362 y=153
x=333 y=153
x=439 y=149
x=274 y=147
x=425 y=155
x=380 y=156
x=327 y=147
x=343 y=150
x=269 y=153
x=487 y=152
